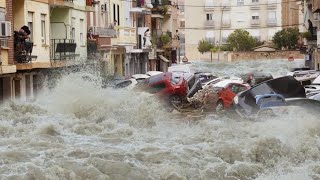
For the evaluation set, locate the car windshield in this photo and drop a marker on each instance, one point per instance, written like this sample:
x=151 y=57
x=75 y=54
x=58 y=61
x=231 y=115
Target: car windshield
x=175 y=79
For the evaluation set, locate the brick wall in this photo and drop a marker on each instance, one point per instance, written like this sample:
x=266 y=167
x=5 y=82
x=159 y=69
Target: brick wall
x=9 y=17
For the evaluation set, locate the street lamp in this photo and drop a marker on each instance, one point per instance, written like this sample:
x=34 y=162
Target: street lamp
x=220 y=32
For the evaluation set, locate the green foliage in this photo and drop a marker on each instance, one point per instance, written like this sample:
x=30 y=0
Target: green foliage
x=241 y=40
x=204 y=46
x=286 y=38
x=306 y=35
x=225 y=48
x=165 y=39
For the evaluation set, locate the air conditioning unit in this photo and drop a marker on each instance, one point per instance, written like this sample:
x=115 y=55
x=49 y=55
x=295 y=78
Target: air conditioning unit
x=5 y=28
x=104 y=8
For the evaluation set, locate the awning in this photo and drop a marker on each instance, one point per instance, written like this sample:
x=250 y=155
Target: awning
x=140 y=10
x=163 y=59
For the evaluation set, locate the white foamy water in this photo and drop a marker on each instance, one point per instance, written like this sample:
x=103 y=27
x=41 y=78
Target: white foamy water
x=80 y=131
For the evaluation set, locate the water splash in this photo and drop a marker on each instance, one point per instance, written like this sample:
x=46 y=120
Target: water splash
x=81 y=131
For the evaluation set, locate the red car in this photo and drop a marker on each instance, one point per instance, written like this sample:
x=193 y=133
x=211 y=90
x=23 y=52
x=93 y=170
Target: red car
x=223 y=94
x=170 y=87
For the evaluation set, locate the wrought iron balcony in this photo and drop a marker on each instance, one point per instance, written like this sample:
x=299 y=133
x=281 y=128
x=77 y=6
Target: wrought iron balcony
x=22 y=49
x=63 y=49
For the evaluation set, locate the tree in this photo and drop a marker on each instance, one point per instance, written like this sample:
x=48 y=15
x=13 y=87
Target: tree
x=286 y=38
x=205 y=46
x=241 y=40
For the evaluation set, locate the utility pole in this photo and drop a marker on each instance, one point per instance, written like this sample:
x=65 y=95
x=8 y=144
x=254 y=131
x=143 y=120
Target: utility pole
x=220 y=33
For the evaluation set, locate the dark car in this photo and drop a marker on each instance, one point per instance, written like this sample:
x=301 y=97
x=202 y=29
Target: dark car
x=245 y=103
x=205 y=77
x=169 y=87
x=254 y=78
x=194 y=83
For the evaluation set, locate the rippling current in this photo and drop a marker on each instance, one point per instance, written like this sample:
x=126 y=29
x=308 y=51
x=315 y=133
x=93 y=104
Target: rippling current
x=80 y=131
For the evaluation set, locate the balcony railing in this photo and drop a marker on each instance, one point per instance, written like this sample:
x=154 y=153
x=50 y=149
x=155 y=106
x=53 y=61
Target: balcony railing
x=255 y=22
x=255 y=6
x=125 y=35
x=226 y=5
x=98 y=43
x=272 y=4
x=63 y=3
x=209 y=23
x=22 y=49
x=110 y=32
x=91 y=2
x=272 y=22
x=63 y=49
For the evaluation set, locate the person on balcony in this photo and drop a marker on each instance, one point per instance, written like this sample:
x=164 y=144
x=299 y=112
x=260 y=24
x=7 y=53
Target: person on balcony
x=90 y=35
x=146 y=38
x=310 y=28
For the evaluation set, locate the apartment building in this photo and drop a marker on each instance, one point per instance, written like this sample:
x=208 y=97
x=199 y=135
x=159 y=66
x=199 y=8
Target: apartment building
x=311 y=11
x=7 y=66
x=57 y=40
x=215 y=20
x=164 y=26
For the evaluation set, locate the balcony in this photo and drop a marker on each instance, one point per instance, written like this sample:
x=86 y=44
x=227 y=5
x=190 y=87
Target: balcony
x=61 y=3
x=98 y=43
x=316 y=7
x=272 y=4
x=255 y=22
x=311 y=37
x=209 y=23
x=109 y=32
x=140 y=7
x=22 y=49
x=226 y=5
x=272 y=22
x=208 y=7
x=63 y=49
x=125 y=36
x=255 y=6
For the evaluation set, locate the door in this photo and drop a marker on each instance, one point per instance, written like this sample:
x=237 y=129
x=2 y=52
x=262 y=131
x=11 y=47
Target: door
x=231 y=92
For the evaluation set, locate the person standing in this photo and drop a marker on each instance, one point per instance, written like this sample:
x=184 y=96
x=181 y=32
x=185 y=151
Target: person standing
x=146 y=36
x=310 y=28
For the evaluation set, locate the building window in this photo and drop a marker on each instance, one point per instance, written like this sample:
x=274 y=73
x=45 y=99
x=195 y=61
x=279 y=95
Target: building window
x=30 y=24
x=81 y=31
x=240 y=2
x=73 y=29
x=255 y=1
x=255 y=17
x=272 y=19
x=209 y=17
x=43 y=28
x=182 y=24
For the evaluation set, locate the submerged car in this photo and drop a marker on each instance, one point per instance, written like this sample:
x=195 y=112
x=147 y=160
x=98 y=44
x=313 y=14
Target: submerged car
x=205 y=77
x=128 y=84
x=254 y=78
x=169 y=87
x=245 y=103
x=224 y=92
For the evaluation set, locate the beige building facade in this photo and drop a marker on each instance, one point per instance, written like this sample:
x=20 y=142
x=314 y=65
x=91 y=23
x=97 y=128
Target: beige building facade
x=215 y=20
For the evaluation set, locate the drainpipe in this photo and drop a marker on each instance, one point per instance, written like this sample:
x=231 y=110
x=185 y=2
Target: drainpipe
x=220 y=33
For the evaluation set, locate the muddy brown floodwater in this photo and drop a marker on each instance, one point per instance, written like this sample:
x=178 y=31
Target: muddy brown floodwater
x=80 y=131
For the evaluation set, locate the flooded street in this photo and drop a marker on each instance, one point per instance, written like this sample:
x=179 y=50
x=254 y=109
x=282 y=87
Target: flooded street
x=81 y=131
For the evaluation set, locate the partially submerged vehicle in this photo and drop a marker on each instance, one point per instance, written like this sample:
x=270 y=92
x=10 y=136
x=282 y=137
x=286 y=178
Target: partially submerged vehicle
x=245 y=103
x=205 y=77
x=256 y=77
x=127 y=84
x=223 y=93
x=314 y=86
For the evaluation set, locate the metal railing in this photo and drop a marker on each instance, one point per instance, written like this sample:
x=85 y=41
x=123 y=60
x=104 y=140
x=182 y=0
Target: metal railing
x=63 y=49
x=209 y=23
